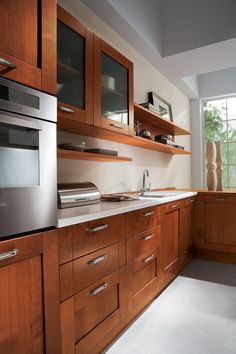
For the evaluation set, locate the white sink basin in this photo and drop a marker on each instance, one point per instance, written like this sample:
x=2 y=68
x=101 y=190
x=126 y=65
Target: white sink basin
x=160 y=194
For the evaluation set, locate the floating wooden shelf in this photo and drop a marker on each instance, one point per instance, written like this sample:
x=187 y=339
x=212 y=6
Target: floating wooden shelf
x=72 y=126
x=88 y=156
x=144 y=115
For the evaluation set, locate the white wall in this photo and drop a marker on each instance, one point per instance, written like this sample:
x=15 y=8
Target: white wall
x=165 y=170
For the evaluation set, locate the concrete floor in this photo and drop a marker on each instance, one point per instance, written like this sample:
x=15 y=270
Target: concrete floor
x=196 y=314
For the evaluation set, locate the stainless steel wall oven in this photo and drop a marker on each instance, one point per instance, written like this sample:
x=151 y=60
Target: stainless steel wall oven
x=28 y=196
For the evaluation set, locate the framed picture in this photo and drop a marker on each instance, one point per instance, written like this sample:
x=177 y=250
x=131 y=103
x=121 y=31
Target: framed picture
x=163 y=107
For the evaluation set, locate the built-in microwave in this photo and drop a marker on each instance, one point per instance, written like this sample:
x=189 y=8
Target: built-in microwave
x=28 y=195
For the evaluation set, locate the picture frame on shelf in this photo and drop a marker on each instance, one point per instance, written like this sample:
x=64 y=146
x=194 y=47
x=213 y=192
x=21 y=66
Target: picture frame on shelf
x=163 y=107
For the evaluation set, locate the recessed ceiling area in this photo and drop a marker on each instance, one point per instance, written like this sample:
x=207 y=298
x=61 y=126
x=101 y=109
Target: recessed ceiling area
x=183 y=39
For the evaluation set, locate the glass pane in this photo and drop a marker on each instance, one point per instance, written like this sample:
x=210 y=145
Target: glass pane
x=19 y=156
x=232 y=130
x=224 y=153
x=231 y=106
x=232 y=176
x=70 y=66
x=225 y=176
x=232 y=153
x=216 y=131
x=217 y=106
x=114 y=90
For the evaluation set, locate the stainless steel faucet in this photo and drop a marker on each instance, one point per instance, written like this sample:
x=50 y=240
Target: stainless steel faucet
x=144 y=188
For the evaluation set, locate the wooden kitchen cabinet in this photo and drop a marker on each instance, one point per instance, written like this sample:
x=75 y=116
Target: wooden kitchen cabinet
x=215 y=223
x=74 y=69
x=187 y=227
x=28 y=42
x=171 y=237
x=113 y=89
x=29 y=307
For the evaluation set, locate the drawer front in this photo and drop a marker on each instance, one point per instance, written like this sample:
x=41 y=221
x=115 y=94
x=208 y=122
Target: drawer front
x=141 y=220
x=79 y=240
x=94 y=304
x=145 y=242
x=96 y=265
x=172 y=206
x=144 y=270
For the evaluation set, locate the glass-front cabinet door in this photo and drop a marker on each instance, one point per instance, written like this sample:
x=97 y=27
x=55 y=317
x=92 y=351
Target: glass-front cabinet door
x=113 y=89
x=74 y=69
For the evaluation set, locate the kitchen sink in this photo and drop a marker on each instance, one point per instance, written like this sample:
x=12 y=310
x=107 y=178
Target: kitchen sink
x=160 y=194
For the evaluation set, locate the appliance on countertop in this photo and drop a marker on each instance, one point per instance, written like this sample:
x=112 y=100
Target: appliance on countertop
x=28 y=193
x=77 y=194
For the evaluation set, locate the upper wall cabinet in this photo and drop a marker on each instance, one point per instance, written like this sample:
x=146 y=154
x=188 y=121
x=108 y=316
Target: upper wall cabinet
x=74 y=69
x=28 y=42
x=113 y=89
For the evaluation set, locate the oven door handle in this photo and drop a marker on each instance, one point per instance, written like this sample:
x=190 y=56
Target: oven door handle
x=25 y=122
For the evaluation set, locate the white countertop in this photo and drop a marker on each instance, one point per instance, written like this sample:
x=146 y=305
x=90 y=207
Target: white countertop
x=72 y=216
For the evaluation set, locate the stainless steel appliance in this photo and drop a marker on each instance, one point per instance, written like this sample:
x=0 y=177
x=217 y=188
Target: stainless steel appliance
x=76 y=194
x=28 y=195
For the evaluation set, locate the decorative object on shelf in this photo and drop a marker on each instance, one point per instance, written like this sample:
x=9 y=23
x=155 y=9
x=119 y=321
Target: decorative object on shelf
x=102 y=151
x=150 y=107
x=161 y=105
x=211 y=169
x=137 y=125
x=144 y=133
x=108 y=82
x=72 y=146
x=219 y=168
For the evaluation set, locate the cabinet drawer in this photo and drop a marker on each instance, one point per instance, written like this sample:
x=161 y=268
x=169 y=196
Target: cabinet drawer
x=79 y=240
x=92 y=313
x=172 y=206
x=144 y=270
x=141 y=220
x=90 y=268
x=145 y=242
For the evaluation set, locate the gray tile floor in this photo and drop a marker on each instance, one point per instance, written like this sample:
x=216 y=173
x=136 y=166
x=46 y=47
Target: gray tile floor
x=196 y=314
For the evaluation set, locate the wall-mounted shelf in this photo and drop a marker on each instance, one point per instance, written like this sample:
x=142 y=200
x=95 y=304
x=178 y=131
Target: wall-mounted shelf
x=67 y=73
x=72 y=126
x=144 y=115
x=88 y=156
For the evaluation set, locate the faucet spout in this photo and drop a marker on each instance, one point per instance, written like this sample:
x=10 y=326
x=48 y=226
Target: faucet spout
x=144 y=187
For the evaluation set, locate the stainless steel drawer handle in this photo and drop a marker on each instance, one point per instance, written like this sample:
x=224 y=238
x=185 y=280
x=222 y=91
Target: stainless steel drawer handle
x=65 y=109
x=148 y=259
x=148 y=237
x=116 y=126
x=97 y=228
x=98 y=259
x=7 y=63
x=9 y=254
x=174 y=206
x=98 y=290
x=191 y=201
x=148 y=213
x=220 y=199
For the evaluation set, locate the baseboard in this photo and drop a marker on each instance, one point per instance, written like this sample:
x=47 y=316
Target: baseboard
x=215 y=256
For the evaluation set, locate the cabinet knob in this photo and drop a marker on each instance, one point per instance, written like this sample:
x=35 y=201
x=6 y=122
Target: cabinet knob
x=9 y=254
x=174 y=206
x=148 y=237
x=7 y=63
x=148 y=259
x=148 y=213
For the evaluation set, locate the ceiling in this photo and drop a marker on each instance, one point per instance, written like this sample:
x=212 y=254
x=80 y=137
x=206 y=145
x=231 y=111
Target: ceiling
x=189 y=41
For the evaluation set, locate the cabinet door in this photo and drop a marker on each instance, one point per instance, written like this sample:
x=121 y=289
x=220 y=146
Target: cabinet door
x=187 y=218
x=27 y=45
x=74 y=69
x=113 y=89
x=29 y=310
x=171 y=236
x=216 y=223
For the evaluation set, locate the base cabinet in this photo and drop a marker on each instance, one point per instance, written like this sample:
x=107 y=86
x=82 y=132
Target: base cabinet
x=216 y=223
x=187 y=227
x=29 y=318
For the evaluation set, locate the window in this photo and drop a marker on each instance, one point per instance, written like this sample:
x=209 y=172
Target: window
x=220 y=124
